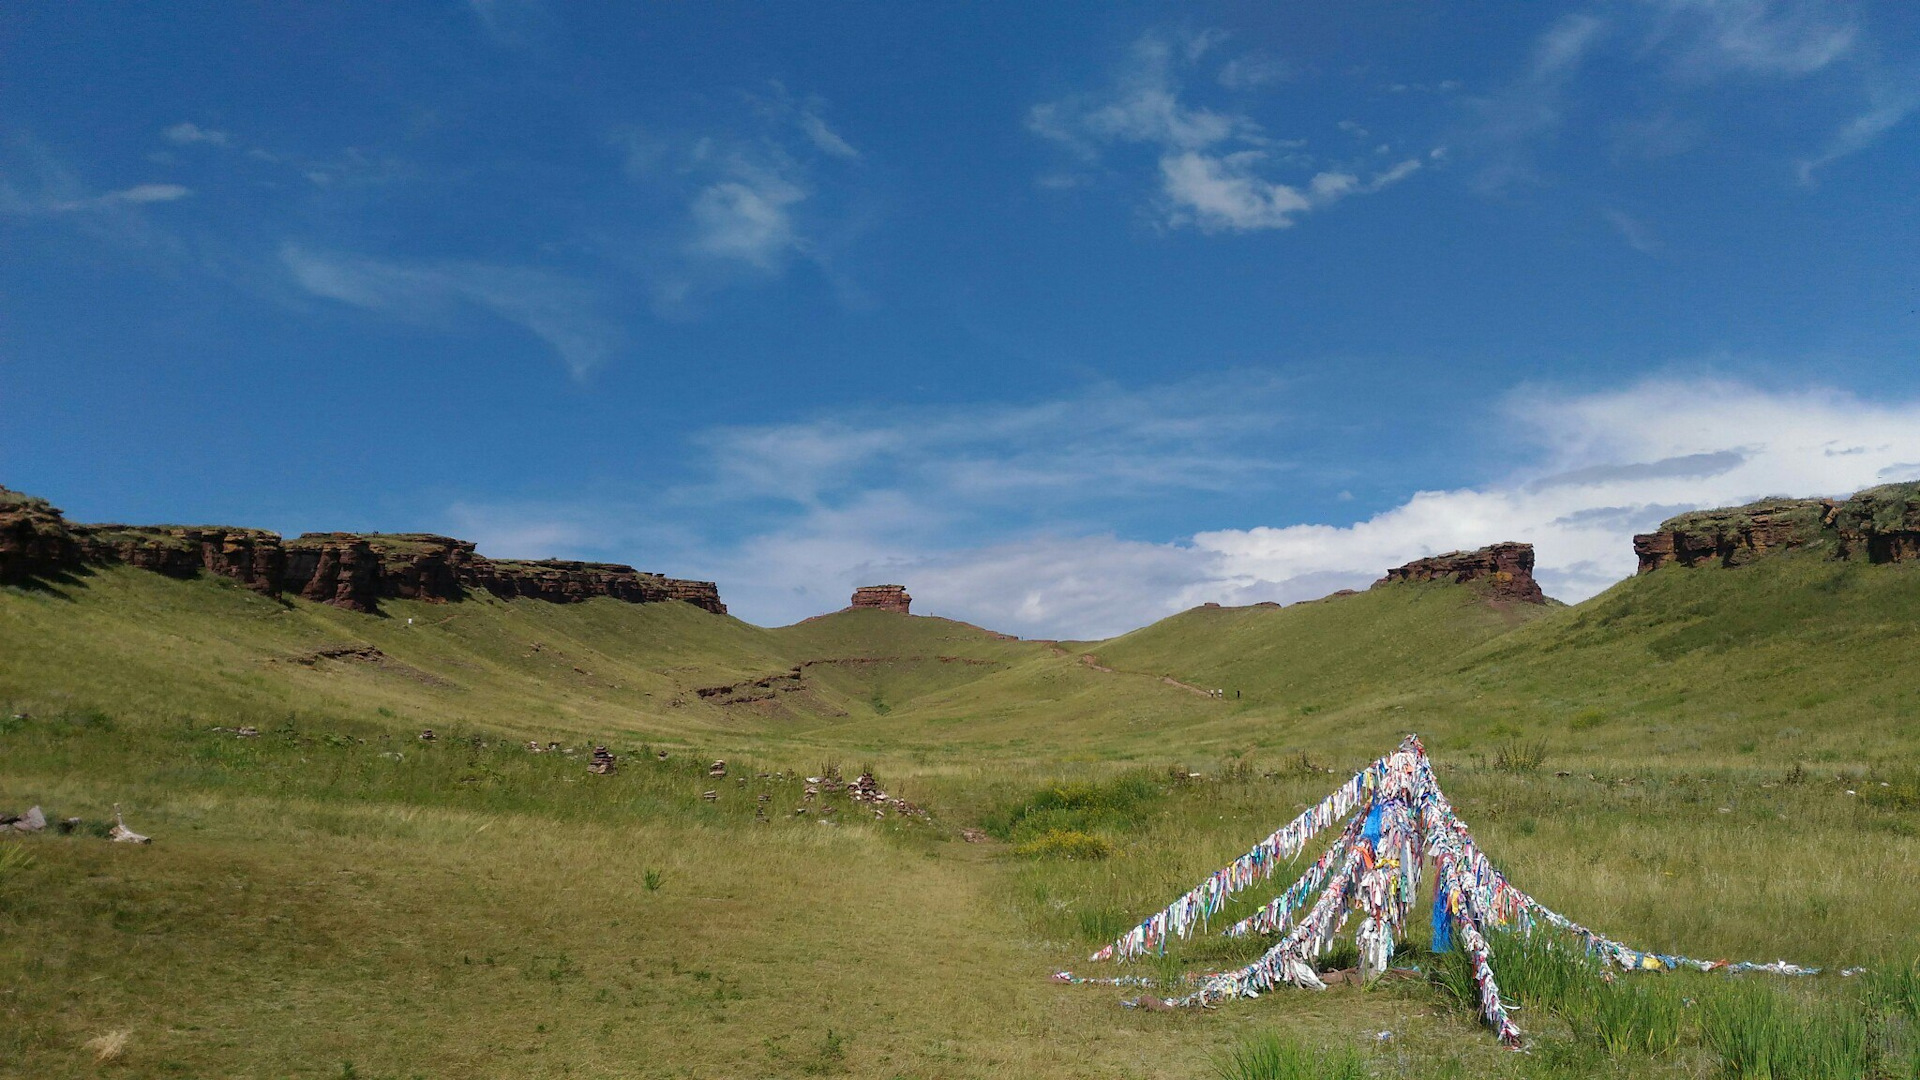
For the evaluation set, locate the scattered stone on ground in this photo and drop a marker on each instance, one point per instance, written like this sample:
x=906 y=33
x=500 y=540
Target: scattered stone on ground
x=710 y=796
x=247 y=732
x=31 y=821
x=426 y=735
x=973 y=836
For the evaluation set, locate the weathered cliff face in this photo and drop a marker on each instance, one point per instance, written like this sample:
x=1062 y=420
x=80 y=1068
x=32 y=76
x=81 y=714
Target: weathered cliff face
x=348 y=570
x=1507 y=570
x=334 y=568
x=1735 y=535
x=882 y=598
x=561 y=582
x=1879 y=524
x=253 y=557
x=34 y=541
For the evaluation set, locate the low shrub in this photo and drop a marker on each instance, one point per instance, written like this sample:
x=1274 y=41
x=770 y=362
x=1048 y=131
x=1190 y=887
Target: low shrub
x=1070 y=844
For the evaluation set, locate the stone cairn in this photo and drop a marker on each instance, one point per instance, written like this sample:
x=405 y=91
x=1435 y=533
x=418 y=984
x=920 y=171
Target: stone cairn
x=603 y=763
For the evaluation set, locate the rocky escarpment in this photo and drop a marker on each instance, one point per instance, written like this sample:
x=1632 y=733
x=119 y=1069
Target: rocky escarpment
x=1507 y=570
x=882 y=598
x=1734 y=535
x=1879 y=524
x=34 y=540
x=253 y=557
x=348 y=570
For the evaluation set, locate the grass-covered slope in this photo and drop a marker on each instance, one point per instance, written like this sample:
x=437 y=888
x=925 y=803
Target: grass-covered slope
x=1313 y=654
x=335 y=898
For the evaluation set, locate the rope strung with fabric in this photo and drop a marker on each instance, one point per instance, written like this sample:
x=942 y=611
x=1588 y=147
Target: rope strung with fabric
x=1399 y=819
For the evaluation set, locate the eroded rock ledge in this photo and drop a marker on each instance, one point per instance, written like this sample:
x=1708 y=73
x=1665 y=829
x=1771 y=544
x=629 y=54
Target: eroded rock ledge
x=1506 y=568
x=1879 y=524
x=882 y=598
x=348 y=570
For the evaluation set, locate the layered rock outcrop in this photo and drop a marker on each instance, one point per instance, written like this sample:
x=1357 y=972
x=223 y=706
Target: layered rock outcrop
x=253 y=557
x=1734 y=535
x=882 y=598
x=34 y=541
x=348 y=570
x=1879 y=524
x=1507 y=570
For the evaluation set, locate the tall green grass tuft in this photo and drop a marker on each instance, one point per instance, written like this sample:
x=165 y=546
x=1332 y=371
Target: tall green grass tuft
x=1271 y=1055
x=1631 y=1016
x=1759 y=1035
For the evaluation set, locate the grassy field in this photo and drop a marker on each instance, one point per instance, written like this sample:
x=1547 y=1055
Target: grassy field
x=336 y=898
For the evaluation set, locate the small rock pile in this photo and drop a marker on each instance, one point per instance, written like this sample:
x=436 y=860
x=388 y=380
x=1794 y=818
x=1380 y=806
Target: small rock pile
x=603 y=763
x=866 y=790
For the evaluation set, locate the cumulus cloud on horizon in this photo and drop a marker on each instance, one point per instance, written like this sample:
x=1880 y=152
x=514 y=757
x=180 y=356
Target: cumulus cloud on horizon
x=924 y=499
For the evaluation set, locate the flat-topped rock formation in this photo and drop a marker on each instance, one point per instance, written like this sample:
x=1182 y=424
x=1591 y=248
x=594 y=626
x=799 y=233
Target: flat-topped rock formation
x=1879 y=524
x=882 y=598
x=348 y=570
x=1733 y=535
x=1506 y=568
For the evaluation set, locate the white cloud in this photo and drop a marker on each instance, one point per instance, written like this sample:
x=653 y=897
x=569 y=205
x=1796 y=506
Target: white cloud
x=1638 y=235
x=1597 y=469
x=1887 y=107
x=1606 y=466
x=1225 y=191
x=1213 y=167
x=748 y=218
x=1253 y=72
x=15 y=202
x=824 y=138
x=1785 y=38
x=561 y=312
x=186 y=133
x=1505 y=127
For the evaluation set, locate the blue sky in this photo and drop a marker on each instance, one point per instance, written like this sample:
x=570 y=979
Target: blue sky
x=1065 y=318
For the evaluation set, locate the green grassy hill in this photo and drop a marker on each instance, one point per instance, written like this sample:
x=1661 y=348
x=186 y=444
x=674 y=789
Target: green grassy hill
x=336 y=898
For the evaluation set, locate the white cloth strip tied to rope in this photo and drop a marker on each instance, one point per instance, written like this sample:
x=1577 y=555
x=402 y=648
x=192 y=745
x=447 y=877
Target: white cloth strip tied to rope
x=1198 y=904
x=1273 y=915
x=1400 y=818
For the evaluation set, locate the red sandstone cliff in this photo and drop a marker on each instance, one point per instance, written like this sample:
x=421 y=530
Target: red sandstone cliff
x=1506 y=568
x=882 y=598
x=34 y=541
x=1879 y=524
x=349 y=570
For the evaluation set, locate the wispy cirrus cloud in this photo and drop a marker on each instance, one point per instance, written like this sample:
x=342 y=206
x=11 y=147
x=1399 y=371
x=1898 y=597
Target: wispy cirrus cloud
x=1216 y=170
x=1672 y=49
x=35 y=183
x=1637 y=233
x=1889 y=103
x=750 y=188
x=187 y=133
x=559 y=310
x=1706 y=39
